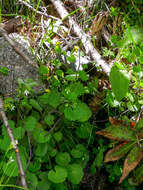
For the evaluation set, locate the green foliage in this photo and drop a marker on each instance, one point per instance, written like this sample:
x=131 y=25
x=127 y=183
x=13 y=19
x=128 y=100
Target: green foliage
x=62 y=158
x=4 y=70
x=123 y=150
x=41 y=135
x=53 y=98
x=77 y=112
x=73 y=91
x=130 y=142
x=57 y=176
x=46 y=120
x=114 y=170
x=10 y=167
x=121 y=132
x=78 y=151
x=49 y=119
x=58 y=136
x=120 y=82
x=35 y=105
x=75 y=173
x=41 y=149
x=55 y=129
x=83 y=131
x=133 y=155
x=30 y=123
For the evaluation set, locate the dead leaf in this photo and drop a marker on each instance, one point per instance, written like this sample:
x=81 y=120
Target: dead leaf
x=129 y=166
x=99 y=22
x=13 y=25
x=117 y=152
x=114 y=121
x=108 y=135
x=118 y=132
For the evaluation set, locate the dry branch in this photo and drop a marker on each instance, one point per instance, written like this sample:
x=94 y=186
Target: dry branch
x=13 y=142
x=89 y=48
x=36 y=11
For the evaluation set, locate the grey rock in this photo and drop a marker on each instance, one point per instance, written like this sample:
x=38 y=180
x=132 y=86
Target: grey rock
x=17 y=67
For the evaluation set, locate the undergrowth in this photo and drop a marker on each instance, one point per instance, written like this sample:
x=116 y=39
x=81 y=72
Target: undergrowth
x=56 y=129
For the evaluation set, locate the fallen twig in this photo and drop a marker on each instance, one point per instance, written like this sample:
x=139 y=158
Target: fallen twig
x=106 y=36
x=37 y=12
x=89 y=48
x=13 y=142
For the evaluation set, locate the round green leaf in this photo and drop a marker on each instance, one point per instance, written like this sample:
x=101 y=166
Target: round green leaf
x=44 y=185
x=79 y=151
x=53 y=152
x=57 y=176
x=63 y=159
x=84 y=131
x=75 y=173
x=41 y=149
x=58 y=136
x=79 y=112
x=49 y=119
x=54 y=99
x=30 y=123
x=41 y=136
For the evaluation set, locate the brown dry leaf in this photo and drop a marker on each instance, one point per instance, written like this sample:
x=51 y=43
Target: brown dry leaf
x=99 y=22
x=114 y=121
x=108 y=135
x=115 y=25
x=13 y=25
x=109 y=157
x=120 y=19
x=128 y=167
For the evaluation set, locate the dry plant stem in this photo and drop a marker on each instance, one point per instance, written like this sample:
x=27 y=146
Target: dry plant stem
x=106 y=36
x=89 y=48
x=15 y=147
x=104 y=32
x=12 y=43
x=139 y=115
x=37 y=12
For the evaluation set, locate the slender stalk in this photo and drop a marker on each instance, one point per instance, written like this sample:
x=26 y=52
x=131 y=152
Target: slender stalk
x=15 y=147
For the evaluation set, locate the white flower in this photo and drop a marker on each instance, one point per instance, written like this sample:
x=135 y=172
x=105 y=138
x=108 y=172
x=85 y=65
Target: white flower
x=16 y=141
x=13 y=108
x=10 y=160
x=26 y=92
